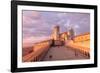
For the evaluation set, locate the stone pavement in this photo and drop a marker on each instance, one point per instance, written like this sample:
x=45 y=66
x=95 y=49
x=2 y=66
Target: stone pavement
x=63 y=53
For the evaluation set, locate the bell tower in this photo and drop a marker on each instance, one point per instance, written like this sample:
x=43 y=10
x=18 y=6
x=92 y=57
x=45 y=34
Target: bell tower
x=56 y=33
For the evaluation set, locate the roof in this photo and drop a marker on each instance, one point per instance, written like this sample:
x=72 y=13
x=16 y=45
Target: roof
x=64 y=33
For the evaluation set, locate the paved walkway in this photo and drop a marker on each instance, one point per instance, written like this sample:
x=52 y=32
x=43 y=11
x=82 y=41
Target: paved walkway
x=62 y=53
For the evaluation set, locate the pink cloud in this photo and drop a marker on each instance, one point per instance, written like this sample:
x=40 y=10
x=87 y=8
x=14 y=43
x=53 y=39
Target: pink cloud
x=31 y=18
x=26 y=20
x=29 y=41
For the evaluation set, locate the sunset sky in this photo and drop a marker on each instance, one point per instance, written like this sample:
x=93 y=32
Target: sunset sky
x=38 y=25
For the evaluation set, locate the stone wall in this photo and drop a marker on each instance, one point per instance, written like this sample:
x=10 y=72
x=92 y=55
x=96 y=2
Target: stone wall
x=39 y=50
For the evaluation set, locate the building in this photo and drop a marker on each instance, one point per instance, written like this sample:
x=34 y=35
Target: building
x=82 y=37
x=71 y=34
x=57 y=37
x=64 y=36
x=56 y=33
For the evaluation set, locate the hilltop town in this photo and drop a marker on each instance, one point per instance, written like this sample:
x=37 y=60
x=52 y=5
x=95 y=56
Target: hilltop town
x=61 y=46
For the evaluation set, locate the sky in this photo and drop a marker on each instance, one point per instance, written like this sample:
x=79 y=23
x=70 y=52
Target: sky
x=38 y=25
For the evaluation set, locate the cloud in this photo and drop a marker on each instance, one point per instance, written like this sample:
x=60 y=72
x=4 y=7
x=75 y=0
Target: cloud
x=29 y=41
x=76 y=26
x=67 y=24
x=31 y=14
x=40 y=23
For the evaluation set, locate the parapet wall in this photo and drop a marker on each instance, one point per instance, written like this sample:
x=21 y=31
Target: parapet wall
x=39 y=50
x=79 y=46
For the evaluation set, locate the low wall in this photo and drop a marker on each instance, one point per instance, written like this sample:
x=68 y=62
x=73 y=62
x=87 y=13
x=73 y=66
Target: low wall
x=80 y=47
x=39 y=50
